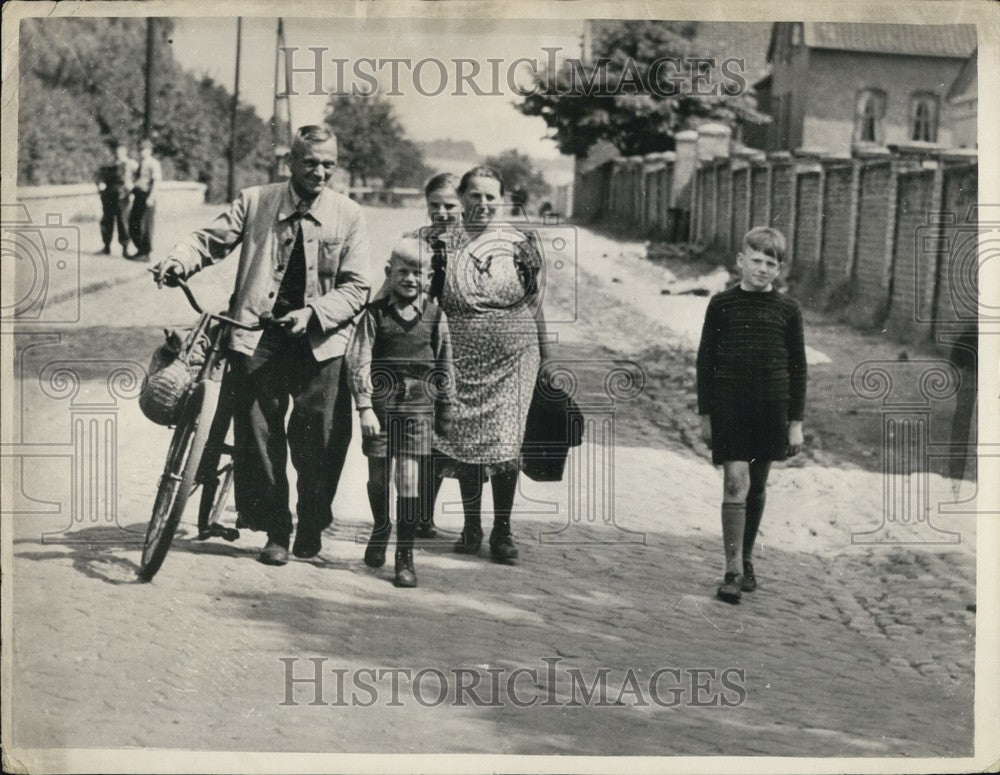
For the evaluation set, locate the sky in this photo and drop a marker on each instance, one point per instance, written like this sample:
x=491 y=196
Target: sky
x=208 y=46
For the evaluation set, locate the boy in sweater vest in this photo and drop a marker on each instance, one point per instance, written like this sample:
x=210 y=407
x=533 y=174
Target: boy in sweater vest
x=400 y=373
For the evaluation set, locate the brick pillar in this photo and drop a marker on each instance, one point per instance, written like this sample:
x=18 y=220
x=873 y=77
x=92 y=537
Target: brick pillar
x=685 y=166
x=781 y=212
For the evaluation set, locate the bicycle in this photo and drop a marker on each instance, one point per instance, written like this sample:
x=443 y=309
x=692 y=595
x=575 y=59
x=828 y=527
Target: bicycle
x=197 y=447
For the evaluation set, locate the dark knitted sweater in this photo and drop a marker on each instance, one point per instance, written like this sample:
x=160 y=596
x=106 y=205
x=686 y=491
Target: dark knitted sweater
x=753 y=349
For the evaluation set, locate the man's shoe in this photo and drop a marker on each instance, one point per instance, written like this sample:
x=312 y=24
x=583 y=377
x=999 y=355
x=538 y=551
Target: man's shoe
x=749 y=582
x=140 y=257
x=106 y=250
x=307 y=545
x=406 y=577
x=469 y=542
x=502 y=549
x=274 y=553
x=730 y=589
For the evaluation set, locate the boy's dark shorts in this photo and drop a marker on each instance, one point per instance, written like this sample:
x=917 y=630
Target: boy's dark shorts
x=412 y=431
x=749 y=430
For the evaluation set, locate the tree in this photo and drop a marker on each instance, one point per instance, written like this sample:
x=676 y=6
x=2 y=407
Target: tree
x=372 y=142
x=518 y=172
x=642 y=87
x=82 y=85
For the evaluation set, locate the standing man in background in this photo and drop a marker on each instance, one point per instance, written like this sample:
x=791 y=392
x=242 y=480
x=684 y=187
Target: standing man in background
x=147 y=183
x=114 y=182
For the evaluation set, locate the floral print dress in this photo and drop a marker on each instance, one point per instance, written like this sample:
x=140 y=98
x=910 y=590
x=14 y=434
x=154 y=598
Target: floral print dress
x=494 y=336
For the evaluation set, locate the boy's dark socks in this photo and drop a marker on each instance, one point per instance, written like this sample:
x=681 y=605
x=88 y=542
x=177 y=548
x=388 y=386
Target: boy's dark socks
x=375 y=551
x=407 y=517
x=754 y=512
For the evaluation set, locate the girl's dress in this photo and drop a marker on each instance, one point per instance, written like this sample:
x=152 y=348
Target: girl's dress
x=494 y=338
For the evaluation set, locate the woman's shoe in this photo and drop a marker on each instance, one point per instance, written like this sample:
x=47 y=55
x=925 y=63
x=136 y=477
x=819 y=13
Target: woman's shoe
x=469 y=542
x=405 y=575
x=502 y=549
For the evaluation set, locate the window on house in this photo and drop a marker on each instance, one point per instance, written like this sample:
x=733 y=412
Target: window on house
x=868 y=117
x=923 y=117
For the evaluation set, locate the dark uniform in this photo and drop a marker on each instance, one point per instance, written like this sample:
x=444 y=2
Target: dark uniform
x=115 y=183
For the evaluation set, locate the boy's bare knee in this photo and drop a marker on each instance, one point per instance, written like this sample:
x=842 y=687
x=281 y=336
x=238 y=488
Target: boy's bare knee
x=736 y=484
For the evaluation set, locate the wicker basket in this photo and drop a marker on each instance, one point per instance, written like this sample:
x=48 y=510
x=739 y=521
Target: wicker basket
x=169 y=375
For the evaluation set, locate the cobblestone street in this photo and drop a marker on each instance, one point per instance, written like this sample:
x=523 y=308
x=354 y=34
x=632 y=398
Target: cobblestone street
x=847 y=649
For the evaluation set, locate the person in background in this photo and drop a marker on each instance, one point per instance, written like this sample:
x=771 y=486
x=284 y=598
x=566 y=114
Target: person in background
x=304 y=260
x=144 y=193
x=114 y=182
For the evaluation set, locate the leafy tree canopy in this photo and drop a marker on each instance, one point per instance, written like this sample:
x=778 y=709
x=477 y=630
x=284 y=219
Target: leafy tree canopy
x=519 y=173
x=642 y=85
x=372 y=143
x=83 y=84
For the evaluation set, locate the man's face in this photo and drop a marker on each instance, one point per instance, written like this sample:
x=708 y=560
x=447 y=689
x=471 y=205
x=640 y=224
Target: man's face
x=405 y=279
x=758 y=270
x=312 y=166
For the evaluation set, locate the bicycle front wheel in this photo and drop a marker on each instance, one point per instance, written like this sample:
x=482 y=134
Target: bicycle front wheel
x=178 y=479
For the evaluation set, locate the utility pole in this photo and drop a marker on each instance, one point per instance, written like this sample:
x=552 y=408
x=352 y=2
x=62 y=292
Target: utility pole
x=231 y=188
x=147 y=120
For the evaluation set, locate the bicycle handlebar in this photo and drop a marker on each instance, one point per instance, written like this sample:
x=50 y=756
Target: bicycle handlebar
x=265 y=320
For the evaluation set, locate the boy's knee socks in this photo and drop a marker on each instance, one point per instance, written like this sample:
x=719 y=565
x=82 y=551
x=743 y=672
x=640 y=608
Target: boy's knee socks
x=378 y=500
x=733 y=522
x=407 y=517
x=755 y=510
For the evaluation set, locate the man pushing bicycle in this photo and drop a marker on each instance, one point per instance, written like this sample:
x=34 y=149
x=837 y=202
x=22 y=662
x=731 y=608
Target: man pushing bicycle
x=304 y=260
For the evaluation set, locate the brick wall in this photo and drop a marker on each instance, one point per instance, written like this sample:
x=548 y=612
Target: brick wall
x=837 y=250
x=741 y=201
x=724 y=209
x=954 y=297
x=804 y=266
x=870 y=286
x=909 y=269
x=758 y=193
x=866 y=234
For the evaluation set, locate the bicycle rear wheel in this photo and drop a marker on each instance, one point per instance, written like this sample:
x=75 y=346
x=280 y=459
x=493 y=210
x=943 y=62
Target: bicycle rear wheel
x=178 y=479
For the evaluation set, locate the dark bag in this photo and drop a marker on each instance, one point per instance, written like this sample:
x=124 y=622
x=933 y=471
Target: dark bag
x=555 y=423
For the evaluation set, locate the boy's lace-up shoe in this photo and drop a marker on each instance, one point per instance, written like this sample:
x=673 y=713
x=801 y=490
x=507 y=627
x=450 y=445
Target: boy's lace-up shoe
x=749 y=582
x=730 y=590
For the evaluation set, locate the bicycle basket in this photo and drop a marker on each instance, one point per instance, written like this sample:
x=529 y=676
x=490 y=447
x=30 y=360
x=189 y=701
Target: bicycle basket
x=171 y=370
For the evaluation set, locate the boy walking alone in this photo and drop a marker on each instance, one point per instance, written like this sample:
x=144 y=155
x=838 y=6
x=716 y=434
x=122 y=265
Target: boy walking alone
x=751 y=394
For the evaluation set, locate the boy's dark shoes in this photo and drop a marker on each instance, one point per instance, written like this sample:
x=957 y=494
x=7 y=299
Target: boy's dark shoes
x=730 y=590
x=502 y=549
x=307 y=545
x=469 y=542
x=274 y=553
x=106 y=250
x=375 y=551
x=749 y=582
x=406 y=577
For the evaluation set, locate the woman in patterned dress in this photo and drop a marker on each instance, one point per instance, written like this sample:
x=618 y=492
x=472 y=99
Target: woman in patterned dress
x=492 y=300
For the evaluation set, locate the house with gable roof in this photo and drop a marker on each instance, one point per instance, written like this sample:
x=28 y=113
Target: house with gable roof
x=837 y=86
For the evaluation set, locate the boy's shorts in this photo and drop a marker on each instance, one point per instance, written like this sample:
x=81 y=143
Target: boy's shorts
x=412 y=435
x=749 y=430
